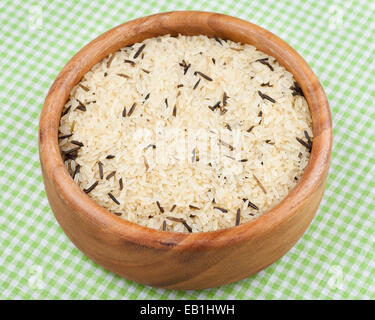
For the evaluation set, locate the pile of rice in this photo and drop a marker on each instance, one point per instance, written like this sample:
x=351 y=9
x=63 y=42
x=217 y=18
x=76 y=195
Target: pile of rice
x=186 y=133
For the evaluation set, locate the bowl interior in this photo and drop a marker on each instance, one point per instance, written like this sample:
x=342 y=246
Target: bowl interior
x=187 y=23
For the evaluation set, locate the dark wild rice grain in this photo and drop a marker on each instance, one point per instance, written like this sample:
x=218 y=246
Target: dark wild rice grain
x=132 y=109
x=145 y=71
x=175 y=219
x=181 y=221
x=121 y=184
x=100 y=170
x=217 y=40
x=221 y=209
x=76 y=170
x=113 y=198
x=238 y=216
x=149 y=146
x=187 y=68
x=92 y=187
x=66 y=111
x=252 y=205
x=160 y=207
x=73 y=150
x=123 y=75
x=266 y=85
x=196 y=84
x=77 y=143
x=188 y=228
x=225 y=97
x=110 y=156
x=265 y=62
x=203 y=75
x=130 y=62
x=297 y=91
x=173 y=207
x=164 y=227
x=111 y=175
x=308 y=147
x=266 y=97
x=251 y=128
x=308 y=138
x=81 y=107
x=84 y=87
x=65 y=136
x=174 y=111
x=140 y=49
x=193 y=207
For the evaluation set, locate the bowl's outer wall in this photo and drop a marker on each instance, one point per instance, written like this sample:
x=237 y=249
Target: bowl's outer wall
x=174 y=266
x=173 y=260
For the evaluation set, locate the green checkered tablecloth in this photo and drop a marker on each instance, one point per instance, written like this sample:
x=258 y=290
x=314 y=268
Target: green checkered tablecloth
x=336 y=256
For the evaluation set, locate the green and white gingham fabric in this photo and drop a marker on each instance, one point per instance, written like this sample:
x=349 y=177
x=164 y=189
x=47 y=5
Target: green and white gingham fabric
x=336 y=256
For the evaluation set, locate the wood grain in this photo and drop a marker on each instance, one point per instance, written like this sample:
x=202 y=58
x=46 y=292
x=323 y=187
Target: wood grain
x=174 y=260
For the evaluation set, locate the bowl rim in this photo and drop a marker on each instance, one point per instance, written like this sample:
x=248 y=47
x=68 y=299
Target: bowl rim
x=52 y=164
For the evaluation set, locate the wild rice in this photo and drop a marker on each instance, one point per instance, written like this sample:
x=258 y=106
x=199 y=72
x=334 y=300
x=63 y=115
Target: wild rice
x=100 y=165
x=196 y=84
x=139 y=51
x=76 y=170
x=238 y=216
x=113 y=198
x=160 y=207
x=203 y=75
x=132 y=109
x=266 y=97
x=84 y=87
x=65 y=136
x=77 y=143
x=92 y=187
x=110 y=175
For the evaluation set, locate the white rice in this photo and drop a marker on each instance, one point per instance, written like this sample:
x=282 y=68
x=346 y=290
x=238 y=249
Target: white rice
x=192 y=164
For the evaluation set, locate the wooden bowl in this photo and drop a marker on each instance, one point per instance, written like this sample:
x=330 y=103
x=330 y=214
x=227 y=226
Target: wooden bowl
x=179 y=260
